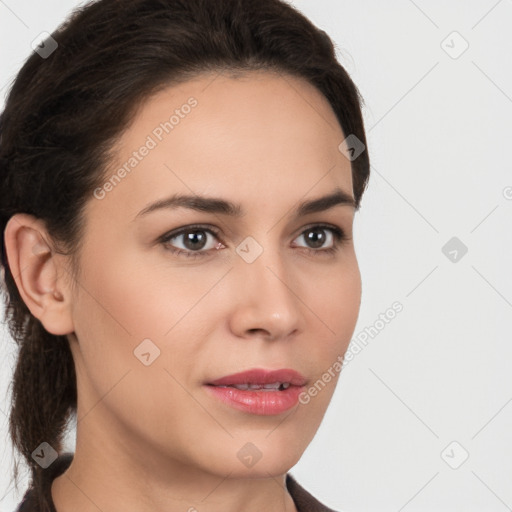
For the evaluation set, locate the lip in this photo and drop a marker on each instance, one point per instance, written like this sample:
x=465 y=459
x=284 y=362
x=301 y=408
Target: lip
x=261 y=376
x=269 y=402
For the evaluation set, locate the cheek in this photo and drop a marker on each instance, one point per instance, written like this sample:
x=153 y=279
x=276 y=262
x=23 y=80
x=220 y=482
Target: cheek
x=132 y=295
x=126 y=308
x=337 y=302
x=115 y=317
x=337 y=299
x=347 y=302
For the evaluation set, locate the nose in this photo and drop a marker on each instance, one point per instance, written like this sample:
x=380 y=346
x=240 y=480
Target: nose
x=267 y=300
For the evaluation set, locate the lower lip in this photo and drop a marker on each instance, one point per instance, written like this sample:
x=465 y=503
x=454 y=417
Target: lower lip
x=258 y=402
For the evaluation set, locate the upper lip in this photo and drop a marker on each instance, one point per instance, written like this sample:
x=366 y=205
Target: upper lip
x=261 y=376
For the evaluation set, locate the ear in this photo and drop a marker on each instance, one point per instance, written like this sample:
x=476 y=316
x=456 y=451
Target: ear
x=37 y=270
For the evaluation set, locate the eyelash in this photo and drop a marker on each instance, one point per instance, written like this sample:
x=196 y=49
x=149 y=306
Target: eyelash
x=338 y=234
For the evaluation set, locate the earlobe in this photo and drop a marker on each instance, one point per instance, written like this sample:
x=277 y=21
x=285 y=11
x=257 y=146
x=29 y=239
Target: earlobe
x=34 y=266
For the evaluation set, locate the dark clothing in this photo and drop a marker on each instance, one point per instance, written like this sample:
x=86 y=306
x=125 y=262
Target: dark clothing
x=304 y=501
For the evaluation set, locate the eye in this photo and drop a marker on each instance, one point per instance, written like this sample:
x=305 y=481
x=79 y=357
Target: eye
x=194 y=240
x=315 y=236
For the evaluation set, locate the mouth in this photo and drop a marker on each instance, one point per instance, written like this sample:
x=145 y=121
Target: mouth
x=275 y=386
x=259 y=378
x=258 y=391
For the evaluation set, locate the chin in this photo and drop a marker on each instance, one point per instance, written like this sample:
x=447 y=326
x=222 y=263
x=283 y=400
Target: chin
x=259 y=456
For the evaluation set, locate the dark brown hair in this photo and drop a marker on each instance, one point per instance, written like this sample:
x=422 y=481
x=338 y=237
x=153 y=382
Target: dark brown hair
x=64 y=113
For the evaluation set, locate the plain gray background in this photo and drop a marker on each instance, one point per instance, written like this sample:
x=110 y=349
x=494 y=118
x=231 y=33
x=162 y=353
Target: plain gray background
x=421 y=418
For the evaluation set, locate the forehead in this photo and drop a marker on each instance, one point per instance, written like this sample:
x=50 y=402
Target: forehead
x=244 y=136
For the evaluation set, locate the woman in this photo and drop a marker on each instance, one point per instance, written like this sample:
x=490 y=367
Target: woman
x=197 y=375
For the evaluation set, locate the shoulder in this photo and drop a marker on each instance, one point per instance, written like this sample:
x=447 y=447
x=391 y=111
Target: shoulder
x=304 y=501
x=31 y=501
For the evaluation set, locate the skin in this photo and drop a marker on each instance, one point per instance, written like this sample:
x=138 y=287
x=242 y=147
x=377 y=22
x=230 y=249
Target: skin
x=150 y=438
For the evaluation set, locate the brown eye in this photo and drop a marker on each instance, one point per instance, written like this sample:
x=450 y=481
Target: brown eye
x=193 y=240
x=316 y=238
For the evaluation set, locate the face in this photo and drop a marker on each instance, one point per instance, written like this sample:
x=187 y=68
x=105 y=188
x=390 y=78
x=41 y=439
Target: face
x=174 y=295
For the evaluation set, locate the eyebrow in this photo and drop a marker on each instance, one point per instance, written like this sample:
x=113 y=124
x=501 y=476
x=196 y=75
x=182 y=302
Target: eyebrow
x=224 y=207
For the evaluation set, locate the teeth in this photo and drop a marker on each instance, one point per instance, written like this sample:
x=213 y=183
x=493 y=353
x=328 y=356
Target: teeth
x=275 y=386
